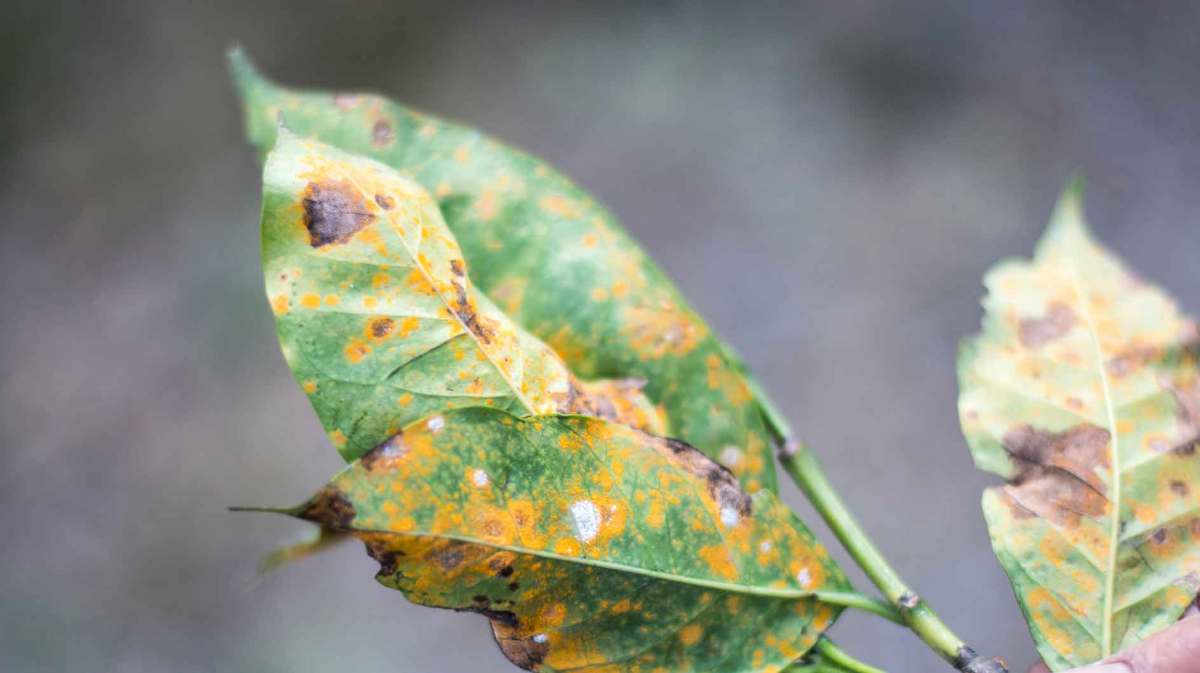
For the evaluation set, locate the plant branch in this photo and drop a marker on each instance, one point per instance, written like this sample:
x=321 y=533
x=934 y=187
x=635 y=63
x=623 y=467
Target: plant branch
x=802 y=466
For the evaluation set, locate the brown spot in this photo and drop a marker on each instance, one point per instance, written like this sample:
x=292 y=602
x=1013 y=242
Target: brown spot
x=1159 y=536
x=448 y=556
x=388 y=559
x=333 y=212
x=504 y=617
x=467 y=314
x=523 y=652
x=330 y=508
x=380 y=327
x=385 y=454
x=381 y=133
x=1056 y=472
x=346 y=101
x=1131 y=360
x=386 y=202
x=456 y=267
x=506 y=571
x=722 y=485
x=1036 y=332
x=513 y=586
x=1187 y=401
x=1179 y=488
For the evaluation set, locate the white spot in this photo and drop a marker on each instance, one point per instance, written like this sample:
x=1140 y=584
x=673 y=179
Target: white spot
x=586 y=519
x=765 y=546
x=540 y=638
x=804 y=578
x=730 y=456
x=436 y=423
x=479 y=478
x=729 y=516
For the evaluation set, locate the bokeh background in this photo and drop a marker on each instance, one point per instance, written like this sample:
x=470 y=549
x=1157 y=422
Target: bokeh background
x=867 y=161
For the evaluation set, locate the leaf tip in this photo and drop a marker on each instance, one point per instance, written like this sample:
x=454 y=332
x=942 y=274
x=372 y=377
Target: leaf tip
x=1067 y=219
x=242 y=69
x=290 y=511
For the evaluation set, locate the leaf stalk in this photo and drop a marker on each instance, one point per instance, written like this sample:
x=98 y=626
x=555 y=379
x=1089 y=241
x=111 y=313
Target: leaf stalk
x=803 y=467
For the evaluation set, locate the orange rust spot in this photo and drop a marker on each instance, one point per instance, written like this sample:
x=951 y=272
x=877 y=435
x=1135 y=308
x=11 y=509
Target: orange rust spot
x=310 y=300
x=567 y=546
x=718 y=560
x=690 y=634
x=589 y=240
x=462 y=155
x=560 y=205
x=310 y=386
x=279 y=304
x=331 y=300
x=409 y=325
x=405 y=399
x=599 y=294
x=356 y=350
x=338 y=438
x=620 y=289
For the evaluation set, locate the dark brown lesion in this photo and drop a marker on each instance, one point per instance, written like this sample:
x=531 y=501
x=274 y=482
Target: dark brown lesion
x=386 y=202
x=334 y=212
x=386 y=554
x=381 y=327
x=330 y=508
x=382 y=134
x=384 y=453
x=1056 y=472
x=722 y=486
x=525 y=652
x=468 y=315
x=1037 y=332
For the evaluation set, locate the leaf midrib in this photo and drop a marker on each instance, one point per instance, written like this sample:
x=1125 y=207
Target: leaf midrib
x=1114 y=536
x=715 y=585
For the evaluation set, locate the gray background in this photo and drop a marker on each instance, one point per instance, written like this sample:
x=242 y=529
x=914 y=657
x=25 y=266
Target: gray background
x=865 y=162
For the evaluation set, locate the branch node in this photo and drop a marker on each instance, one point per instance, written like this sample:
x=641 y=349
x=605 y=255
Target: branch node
x=789 y=448
x=968 y=661
x=908 y=601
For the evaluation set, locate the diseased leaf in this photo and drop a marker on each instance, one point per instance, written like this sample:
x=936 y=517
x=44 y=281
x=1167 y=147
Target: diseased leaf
x=1083 y=392
x=552 y=258
x=589 y=545
x=377 y=316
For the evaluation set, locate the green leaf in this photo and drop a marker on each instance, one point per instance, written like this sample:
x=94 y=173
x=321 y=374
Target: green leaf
x=553 y=259
x=590 y=546
x=378 y=317
x=1083 y=392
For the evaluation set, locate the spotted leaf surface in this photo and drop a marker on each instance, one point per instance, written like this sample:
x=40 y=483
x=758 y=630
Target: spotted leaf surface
x=378 y=317
x=553 y=259
x=1082 y=391
x=589 y=545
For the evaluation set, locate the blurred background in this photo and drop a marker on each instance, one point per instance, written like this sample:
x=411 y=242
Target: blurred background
x=867 y=160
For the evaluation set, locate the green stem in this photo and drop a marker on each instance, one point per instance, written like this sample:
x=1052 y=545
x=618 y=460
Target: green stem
x=802 y=466
x=853 y=599
x=836 y=655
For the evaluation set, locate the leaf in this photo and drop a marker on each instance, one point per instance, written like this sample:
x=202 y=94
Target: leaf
x=1083 y=392
x=589 y=545
x=552 y=258
x=377 y=316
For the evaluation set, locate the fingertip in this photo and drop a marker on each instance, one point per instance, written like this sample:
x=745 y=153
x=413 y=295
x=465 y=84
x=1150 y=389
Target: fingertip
x=1174 y=650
